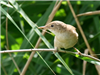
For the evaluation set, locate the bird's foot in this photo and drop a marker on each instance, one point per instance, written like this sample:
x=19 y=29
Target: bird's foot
x=78 y=51
x=56 y=50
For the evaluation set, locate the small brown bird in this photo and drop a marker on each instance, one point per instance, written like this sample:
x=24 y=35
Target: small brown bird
x=65 y=34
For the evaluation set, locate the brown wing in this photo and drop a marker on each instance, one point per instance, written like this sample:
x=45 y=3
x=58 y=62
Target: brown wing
x=71 y=27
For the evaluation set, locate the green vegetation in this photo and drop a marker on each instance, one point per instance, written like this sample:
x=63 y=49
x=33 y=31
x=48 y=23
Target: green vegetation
x=23 y=33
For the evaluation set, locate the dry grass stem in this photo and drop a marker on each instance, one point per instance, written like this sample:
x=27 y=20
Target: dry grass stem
x=82 y=33
x=78 y=24
x=51 y=16
x=13 y=61
x=89 y=13
x=7 y=42
x=82 y=54
x=27 y=64
x=84 y=62
x=52 y=50
x=26 y=50
x=3 y=69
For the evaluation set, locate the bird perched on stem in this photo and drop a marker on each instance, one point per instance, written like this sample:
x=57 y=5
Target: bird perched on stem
x=65 y=34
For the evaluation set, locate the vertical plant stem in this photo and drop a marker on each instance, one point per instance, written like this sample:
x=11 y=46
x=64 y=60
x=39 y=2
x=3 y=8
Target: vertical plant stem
x=3 y=69
x=7 y=42
x=81 y=31
x=14 y=61
x=7 y=31
x=83 y=35
x=84 y=62
x=39 y=40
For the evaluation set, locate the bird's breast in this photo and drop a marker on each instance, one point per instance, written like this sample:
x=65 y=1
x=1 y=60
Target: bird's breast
x=62 y=37
x=65 y=40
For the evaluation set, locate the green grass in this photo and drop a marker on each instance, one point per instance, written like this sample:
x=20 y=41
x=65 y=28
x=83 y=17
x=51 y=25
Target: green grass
x=23 y=33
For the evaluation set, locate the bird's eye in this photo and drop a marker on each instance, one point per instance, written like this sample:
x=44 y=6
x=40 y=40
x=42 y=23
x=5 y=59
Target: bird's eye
x=52 y=25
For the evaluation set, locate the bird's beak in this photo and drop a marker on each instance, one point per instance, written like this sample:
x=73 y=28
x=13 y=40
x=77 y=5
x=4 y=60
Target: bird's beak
x=42 y=27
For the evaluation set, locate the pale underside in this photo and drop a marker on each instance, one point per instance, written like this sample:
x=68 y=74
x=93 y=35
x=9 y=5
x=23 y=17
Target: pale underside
x=66 y=40
x=65 y=34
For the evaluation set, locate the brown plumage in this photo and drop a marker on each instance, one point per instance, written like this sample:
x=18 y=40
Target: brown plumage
x=65 y=34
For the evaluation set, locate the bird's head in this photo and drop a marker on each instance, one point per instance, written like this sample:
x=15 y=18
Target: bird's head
x=55 y=27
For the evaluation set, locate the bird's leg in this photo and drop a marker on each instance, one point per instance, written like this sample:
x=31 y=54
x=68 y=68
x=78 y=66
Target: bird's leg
x=56 y=50
x=78 y=51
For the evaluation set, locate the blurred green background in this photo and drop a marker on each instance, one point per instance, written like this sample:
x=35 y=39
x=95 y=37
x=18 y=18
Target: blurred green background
x=38 y=12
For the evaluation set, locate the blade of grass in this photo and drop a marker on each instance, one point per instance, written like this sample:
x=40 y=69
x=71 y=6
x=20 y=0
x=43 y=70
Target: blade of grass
x=34 y=26
x=6 y=4
x=9 y=17
x=31 y=36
